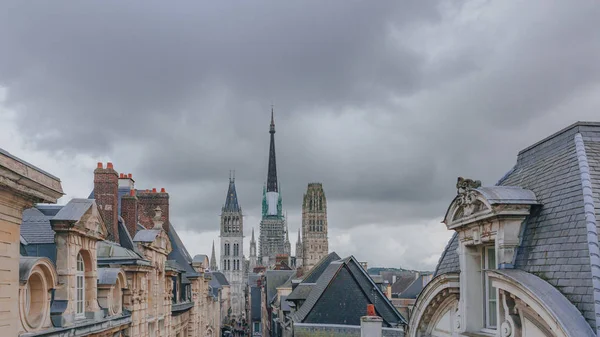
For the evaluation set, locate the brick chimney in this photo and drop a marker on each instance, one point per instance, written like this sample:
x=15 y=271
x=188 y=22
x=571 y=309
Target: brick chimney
x=106 y=184
x=147 y=202
x=129 y=211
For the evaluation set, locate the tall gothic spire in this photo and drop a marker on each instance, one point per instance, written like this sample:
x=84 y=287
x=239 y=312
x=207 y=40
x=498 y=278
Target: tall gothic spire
x=252 y=239
x=213 y=259
x=231 y=202
x=299 y=239
x=272 y=174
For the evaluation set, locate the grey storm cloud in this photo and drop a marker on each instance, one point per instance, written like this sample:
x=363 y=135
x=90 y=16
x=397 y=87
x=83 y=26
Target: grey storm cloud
x=384 y=102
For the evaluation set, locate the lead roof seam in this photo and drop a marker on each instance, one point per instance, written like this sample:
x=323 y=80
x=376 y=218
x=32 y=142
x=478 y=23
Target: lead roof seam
x=591 y=223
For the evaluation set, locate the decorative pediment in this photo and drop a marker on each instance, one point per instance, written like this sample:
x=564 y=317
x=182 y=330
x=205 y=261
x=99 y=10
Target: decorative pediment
x=83 y=216
x=91 y=222
x=474 y=203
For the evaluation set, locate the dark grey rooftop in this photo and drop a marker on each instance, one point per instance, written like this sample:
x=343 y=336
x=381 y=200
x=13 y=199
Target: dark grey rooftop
x=402 y=283
x=220 y=277
x=74 y=210
x=146 y=235
x=36 y=228
x=275 y=278
x=413 y=290
x=314 y=274
x=180 y=254
x=508 y=195
x=255 y=305
x=301 y=292
x=349 y=287
x=108 y=276
x=448 y=262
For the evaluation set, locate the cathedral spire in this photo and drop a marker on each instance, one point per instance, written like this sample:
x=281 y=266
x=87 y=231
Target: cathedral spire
x=231 y=202
x=252 y=239
x=299 y=238
x=272 y=174
x=213 y=259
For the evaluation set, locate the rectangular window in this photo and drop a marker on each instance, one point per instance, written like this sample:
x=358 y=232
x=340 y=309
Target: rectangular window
x=256 y=327
x=489 y=262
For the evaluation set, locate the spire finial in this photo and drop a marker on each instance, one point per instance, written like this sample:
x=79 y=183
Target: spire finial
x=272 y=129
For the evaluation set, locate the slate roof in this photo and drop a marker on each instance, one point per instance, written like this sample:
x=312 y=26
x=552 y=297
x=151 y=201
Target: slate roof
x=555 y=243
x=220 y=277
x=35 y=227
x=180 y=254
x=255 y=306
x=414 y=289
x=341 y=295
x=284 y=305
x=200 y=258
x=108 y=275
x=402 y=283
x=274 y=279
x=301 y=292
x=320 y=267
x=73 y=210
x=448 y=262
x=146 y=235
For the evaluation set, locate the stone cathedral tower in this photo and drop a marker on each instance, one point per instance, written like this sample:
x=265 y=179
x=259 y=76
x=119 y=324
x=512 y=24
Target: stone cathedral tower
x=272 y=226
x=315 y=244
x=232 y=249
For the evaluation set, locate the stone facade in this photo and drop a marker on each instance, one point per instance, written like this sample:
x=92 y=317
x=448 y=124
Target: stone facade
x=97 y=280
x=21 y=185
x=315 y=245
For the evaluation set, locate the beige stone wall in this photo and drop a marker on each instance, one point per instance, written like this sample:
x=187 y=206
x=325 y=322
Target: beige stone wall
x=21 y=185
x=11 y=210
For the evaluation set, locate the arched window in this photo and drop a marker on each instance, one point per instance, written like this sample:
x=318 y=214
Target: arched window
x=80 y=284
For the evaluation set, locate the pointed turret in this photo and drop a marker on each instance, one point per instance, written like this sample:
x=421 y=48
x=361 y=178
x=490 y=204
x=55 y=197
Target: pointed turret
x=272 y=173
x=213 y=259
x=252 y=239
x=231 y=202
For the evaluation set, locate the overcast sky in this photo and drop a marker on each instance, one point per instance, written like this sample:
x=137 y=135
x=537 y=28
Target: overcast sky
x=384 y=102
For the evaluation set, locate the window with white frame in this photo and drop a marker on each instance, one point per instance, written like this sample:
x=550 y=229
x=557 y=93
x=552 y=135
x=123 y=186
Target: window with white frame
x=80 y=286
x=490 y=293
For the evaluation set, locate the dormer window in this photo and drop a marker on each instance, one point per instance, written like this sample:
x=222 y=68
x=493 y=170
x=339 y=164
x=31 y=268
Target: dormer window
x=80 y=286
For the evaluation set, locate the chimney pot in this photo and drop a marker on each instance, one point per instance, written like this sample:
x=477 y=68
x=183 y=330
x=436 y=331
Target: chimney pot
x=129 y=176
x=132 y=193
x=371 y=310
x=154 y=190
x=120 y=175
x=100 y=165
x=162 y=190
x=109 y=165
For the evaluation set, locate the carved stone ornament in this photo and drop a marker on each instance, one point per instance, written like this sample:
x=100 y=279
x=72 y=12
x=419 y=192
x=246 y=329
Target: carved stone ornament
x=462 y=185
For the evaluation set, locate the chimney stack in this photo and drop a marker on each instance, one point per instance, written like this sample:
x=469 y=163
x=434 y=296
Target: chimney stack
x=106 y=184
x=147 y=203
x=126 y=181
x=370 y=325
x=129 y=211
